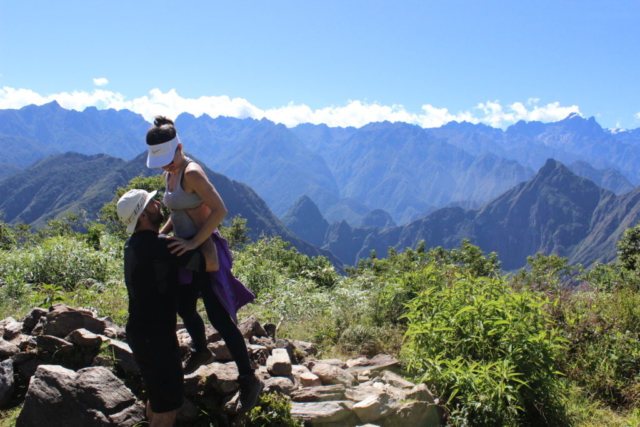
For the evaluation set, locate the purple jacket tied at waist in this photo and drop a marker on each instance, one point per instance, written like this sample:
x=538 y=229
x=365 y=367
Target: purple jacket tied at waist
x=231 y=292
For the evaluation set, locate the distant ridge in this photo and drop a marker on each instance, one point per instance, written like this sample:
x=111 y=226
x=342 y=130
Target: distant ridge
x=555 y=212
x=70 y=182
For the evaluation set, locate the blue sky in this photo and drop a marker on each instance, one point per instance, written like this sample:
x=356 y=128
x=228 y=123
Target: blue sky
x=344 y=62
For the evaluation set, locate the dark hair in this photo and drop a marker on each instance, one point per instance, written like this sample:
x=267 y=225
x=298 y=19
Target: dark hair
x=163 y=130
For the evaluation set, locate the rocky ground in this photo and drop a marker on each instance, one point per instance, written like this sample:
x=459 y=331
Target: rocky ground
x=73 y=369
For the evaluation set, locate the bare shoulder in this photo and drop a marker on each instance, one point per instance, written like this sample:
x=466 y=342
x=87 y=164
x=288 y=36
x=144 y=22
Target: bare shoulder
x=194 y=175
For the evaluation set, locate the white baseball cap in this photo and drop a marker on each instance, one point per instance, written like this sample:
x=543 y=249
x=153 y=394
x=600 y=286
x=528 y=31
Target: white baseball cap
x=161 y=154
x=131 y=205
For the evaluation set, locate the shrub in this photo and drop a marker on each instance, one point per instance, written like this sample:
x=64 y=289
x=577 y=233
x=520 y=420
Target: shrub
x=489 y=352
x=273 y=410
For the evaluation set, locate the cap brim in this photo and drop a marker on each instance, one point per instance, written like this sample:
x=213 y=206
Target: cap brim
x=159 y=161
x=132 y=227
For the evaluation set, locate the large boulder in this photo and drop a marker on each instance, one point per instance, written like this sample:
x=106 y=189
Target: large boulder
x=60 y=397
x=61 y=320
x=6 y=382
x=7 y=349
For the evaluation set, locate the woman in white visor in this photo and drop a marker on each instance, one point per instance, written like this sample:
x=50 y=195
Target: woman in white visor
x=196 y=211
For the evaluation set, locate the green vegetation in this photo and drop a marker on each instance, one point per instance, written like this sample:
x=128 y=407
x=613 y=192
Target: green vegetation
x=551 y=344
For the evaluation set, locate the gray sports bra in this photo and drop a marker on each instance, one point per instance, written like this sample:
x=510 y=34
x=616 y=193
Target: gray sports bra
x=177 y=201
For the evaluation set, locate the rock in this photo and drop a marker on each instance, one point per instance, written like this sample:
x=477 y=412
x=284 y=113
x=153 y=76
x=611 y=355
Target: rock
x=279 y=363
x=263 y=341
x=112 y=330
x=299 y=369
x=39 y=328
x=283 y=385
x=307 y=348
x=376 y=363
x=287 y=345
x=7 y=349
x=123 y=356
x=373 y=408
x=416 y=414
x=321 y=412
x=218 y=377
x=105 y=362
x=220 y=351
x=31 y=320
x=211 y=333
x=11 y=328
x=85 y=338
x=364 y=390
x=27 y=342
x=53 y=344
x=184 y=342
x=319 y=394
x=334 y=362
x=59 y=397
x=249 y=327
x=6 y=382
x=258 y=353
x=271 y=330
x=330 y=374
x=26 y=364
x=395 y=380
x=420 y=392
x=309 y=379
x=62 y=320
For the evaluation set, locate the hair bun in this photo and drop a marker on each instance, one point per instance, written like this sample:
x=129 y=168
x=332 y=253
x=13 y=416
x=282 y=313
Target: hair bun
x=161 y=121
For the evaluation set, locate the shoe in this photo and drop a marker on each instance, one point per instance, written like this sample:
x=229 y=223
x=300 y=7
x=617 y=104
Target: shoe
x=196 y=360
x=250 y=389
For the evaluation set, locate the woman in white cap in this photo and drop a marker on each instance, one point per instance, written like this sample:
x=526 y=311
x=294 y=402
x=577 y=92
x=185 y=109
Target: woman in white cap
x=189 y=190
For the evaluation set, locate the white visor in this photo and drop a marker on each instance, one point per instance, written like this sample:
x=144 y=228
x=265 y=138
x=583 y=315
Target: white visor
x=162 y=154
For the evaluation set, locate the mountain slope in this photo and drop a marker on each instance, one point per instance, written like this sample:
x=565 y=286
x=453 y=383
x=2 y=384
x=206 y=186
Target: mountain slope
x=266 y=156
x=70 y=182
x=553 y=212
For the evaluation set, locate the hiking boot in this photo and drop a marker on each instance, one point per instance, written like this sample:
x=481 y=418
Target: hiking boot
x=196 y=360
x=250 y=389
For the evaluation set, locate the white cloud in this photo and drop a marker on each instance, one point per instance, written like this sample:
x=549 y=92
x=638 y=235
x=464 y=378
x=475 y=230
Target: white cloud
x=497 y=116
x=353 y=113
x=100 y=81
x=637 y=116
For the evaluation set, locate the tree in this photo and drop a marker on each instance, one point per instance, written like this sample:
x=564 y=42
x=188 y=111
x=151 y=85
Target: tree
x=629 y=248
x=109 y=213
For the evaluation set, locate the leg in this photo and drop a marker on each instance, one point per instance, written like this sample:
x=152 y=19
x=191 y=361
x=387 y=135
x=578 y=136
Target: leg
x=164 y=419
x=250 y=384
x=188 y=298
x=221 y=320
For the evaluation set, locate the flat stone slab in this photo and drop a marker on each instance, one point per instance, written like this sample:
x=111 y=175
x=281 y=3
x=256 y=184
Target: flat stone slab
x=319 y=394
x=222 y=377
x=321 y=412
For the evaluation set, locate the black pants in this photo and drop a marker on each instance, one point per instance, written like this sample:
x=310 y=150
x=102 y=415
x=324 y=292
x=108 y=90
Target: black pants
x=218 y=316
x=155 y=349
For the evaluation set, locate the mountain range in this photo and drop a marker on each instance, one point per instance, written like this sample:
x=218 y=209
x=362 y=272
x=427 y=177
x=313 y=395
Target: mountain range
x=402 y=169
x=376 y=185
x=555 y=212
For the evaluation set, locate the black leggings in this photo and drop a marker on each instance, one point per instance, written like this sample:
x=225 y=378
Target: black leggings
x=218 y=316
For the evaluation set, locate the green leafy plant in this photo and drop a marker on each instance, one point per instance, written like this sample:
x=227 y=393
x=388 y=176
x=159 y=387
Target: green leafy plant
x=273 y=410
x=489 y=352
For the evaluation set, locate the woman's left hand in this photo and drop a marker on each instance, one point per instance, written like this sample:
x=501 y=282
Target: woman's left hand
x=180 y=246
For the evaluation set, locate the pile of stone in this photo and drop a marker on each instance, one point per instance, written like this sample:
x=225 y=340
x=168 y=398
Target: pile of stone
x=79 y=371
